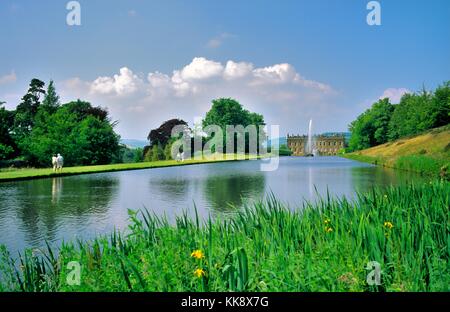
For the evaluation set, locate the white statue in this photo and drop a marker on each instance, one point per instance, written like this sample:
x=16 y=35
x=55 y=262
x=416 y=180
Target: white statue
x=59 y=162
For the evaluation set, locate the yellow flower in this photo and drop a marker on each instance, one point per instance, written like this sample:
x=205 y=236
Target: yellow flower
x=197 y=254
x=199 y=273
x=326 y=221
x=388 y=225
x=328 y=229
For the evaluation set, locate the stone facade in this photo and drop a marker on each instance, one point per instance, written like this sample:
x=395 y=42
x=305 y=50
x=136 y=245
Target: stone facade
x=325 y=145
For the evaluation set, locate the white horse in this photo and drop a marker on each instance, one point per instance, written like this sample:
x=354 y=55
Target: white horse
x=59 y=162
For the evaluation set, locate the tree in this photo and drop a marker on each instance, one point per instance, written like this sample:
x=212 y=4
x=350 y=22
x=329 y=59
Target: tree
x=27 y=109
x=82 y=138
x=440 y=105
x=229 y=112
x=412 y=115
x=157 y=152
x=6 y=141
x=51 y=100
x=168 y=151
x=371 y=128
x=163 y=133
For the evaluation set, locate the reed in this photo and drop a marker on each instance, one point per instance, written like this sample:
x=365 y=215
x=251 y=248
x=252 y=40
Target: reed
x=321 y=246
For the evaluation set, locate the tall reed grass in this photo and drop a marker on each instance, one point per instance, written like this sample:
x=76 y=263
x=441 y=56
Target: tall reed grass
x=323 y=246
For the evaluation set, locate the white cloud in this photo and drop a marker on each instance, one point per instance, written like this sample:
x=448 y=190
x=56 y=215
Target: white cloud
x=201 y=68
x=235 y=70
x=124 y=83
x=277 y=91
x=394 y=94
x=8 y=78
x=278 y=73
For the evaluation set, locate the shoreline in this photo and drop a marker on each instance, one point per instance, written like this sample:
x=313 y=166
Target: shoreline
x=44 y=173
x=204 y=257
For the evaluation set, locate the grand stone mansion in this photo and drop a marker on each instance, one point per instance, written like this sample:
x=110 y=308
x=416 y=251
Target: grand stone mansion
x=324 y=145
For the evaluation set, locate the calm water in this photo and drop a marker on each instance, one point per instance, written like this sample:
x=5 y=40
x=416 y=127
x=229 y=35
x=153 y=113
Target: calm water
x=64 y=208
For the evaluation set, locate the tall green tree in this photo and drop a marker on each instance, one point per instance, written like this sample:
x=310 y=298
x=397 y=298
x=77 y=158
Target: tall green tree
x=27 y=109
x=83 y=138
x=372 y=127
x=7 y=145
x=229 y=112
x=51 y=101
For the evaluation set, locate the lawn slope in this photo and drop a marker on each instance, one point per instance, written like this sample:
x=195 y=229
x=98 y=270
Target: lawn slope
x=427 y=153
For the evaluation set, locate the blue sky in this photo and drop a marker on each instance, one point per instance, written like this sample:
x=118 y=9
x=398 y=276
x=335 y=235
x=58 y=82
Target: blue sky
x=291 y=60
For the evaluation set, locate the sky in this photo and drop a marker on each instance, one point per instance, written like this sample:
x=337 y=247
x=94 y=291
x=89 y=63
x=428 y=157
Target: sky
x=149 y=61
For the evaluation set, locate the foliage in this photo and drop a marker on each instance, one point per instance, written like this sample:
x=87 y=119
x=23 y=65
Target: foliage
x=6 y=141
x=51 y=100
x=322 y=246
x=157 y=153
x=163 y=133
x=27 y=109
x=416 y=113
x=371 y=127
x=81 y=133
x=229 y=112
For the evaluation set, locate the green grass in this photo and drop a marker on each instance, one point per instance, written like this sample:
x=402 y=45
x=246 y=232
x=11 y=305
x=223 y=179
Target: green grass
x=33 y=173
x=427 y=153
x=266 y=247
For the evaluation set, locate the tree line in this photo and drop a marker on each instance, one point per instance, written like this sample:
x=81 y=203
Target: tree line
x=415 y=113
x=41 y=126
x=223 y=112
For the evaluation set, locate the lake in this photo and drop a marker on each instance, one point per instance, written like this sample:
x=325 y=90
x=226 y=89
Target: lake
x=83 y=206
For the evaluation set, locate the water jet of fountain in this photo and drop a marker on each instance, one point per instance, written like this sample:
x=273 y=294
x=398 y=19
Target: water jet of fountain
x=309 y=149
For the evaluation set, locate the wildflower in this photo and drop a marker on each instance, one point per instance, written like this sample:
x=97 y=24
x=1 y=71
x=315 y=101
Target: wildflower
x=388 y=225
x=197 y=254
x=385 y=196
x=328 y=229
x=326 y=221
x=199 y=273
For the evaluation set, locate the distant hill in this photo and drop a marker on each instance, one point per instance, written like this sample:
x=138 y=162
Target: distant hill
x=132 y=143
x=281 y=141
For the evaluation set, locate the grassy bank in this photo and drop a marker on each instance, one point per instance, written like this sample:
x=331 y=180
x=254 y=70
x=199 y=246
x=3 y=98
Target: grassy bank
x=428 y=153
x=33 y=173
x=266 y=247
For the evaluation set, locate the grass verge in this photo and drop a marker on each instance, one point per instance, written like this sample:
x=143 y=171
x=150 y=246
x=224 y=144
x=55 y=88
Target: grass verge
x=33 y=173
x=428 y=153
x=266 y=247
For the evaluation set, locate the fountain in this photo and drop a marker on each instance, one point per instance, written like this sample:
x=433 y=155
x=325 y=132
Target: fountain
x=309 y=148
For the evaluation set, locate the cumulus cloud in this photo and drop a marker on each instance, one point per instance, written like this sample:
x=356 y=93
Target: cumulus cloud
x=235 y=70
x=8 y=78
x=201 y=68
x=142 y=102
x=124 y=83
x=394 y=94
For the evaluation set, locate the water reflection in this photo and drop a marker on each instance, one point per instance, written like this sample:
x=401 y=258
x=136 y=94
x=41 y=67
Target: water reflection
x=39 y=209
x=227 y=193
x=88 y=205
x=56 y=189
